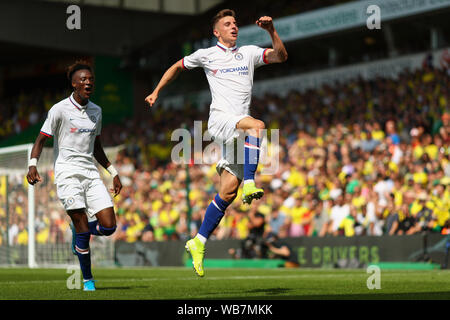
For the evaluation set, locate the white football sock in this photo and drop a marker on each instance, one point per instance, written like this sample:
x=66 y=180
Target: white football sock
x=201 y=238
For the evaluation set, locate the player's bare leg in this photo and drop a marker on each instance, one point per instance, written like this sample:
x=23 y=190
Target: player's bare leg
x=228 y=188
x=105 y=225
x=79 y=220
x=251 y=126
x=254 y=133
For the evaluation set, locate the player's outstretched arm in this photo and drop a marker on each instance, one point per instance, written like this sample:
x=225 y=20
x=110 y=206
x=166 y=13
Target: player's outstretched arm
x=100 y=156
x=167 y=77
x=33 y=175
x=278 y=52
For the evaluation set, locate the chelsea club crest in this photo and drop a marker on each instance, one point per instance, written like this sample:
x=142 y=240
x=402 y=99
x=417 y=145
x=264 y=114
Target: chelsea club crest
x=238 y=56
x=70 y=201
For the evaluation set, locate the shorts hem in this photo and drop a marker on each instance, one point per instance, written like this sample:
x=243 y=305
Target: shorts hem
x=97 y=210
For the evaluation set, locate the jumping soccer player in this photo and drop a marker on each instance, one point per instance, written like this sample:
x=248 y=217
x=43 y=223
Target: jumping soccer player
x=229 y=70
x=75 y=123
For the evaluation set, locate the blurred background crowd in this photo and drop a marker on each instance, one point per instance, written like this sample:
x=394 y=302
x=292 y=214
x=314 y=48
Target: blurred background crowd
x=363 y=157
x=24 y=109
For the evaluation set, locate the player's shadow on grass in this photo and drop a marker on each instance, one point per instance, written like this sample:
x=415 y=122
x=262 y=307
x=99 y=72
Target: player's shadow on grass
x=123 y=288
x=270 y=291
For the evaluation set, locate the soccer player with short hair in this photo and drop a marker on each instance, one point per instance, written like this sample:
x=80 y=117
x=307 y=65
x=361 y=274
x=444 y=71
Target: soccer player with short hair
x=229 y=70
x=75 y=124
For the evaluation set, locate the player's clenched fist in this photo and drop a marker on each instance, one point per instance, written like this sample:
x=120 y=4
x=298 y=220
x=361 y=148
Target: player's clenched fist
x=151 y=98
x=117 y=186
x=33 y=175
x=265 y=22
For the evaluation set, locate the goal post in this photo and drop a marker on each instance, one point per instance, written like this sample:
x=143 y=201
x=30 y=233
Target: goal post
x=31 y=220
x=34 y=228
x=14 y=163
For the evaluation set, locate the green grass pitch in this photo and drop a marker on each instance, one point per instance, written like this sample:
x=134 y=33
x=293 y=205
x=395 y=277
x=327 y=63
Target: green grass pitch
x=259 y=284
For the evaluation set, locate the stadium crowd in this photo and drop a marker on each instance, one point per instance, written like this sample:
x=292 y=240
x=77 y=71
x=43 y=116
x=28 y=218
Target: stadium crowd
x=356 y=158
x=25 y=109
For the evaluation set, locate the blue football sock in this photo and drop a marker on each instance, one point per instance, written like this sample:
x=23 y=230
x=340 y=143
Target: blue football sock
x=84 y=254
x=93 y=228
x=251 y=157
x=98 y=230
x=213 y=215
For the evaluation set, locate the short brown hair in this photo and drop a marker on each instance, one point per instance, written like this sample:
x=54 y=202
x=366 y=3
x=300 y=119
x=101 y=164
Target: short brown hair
x=221 y=14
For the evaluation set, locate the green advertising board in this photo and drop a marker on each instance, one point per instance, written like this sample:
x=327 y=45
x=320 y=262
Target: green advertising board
x=114 y=89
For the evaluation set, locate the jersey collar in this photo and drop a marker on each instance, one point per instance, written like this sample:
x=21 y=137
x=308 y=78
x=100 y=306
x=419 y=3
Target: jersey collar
x=225 y=49
x=76 y=104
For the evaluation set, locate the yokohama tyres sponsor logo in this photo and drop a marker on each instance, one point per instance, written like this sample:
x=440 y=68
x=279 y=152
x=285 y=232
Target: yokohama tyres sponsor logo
x=236 y=69
x=73 y=130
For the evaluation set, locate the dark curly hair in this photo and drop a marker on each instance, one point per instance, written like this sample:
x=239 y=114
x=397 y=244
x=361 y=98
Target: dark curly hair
x=78 y=65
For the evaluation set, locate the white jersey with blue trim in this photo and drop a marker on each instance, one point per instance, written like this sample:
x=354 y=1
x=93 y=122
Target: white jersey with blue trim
x=230 y=75
x=74 y=128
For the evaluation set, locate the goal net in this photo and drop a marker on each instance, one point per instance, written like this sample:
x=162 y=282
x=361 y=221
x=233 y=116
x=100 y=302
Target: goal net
x=34 y=227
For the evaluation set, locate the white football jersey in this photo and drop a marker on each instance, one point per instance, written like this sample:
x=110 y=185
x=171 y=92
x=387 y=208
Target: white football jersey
x=74 y=128
x=230 y=75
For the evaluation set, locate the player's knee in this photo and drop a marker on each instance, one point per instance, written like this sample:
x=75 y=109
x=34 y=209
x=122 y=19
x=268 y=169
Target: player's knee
x=257 y=128
x=260 y=125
